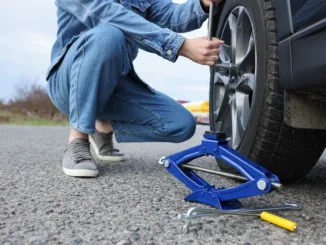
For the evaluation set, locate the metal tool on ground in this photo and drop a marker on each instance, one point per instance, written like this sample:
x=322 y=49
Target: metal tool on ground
x=198 y=212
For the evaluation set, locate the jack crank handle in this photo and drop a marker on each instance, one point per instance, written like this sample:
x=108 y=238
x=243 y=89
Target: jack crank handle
x=210 y=21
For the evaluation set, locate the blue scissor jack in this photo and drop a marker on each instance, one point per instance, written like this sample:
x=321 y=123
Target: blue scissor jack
x=258 y=179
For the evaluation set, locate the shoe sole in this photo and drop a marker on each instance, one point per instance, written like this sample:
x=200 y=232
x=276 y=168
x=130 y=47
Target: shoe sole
x=105 y=158
x=80 y=172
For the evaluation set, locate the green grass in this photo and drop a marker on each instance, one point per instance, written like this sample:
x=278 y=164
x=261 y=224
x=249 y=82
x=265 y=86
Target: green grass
x=37 y=122
x=7 y=117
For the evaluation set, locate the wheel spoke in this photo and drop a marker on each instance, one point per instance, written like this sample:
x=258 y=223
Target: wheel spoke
x=235 y=136
x=225 y=53
x=246 y=83
x=221 y=108
x=222 y=77
x=244 y=31
x=246 y=62
x=227 y=36
x=221 y=81
x=225 y=126
x=233 y=31
x=243 y=112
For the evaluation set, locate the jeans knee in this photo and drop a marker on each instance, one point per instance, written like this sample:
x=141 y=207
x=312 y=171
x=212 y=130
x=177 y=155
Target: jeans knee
x=187 y=130
x=183 y=128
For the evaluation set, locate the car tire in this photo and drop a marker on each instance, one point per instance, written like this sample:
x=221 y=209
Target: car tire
x=287 y=152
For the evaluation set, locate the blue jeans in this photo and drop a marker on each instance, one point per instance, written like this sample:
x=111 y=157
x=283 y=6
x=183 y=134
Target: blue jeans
x=96 y=80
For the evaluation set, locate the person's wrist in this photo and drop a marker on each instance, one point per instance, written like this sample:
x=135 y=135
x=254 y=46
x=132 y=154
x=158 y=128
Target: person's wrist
x=205 y=4
x=204 y=7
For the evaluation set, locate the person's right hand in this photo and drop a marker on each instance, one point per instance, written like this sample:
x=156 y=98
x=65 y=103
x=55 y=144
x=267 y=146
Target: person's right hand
x=201 y=50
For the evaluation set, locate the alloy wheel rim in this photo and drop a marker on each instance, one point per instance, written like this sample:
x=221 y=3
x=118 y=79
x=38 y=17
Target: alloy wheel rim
x=235 y=77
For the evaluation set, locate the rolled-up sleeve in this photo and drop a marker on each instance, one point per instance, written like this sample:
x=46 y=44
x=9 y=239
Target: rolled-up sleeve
x=177 y=17
x=162 y=41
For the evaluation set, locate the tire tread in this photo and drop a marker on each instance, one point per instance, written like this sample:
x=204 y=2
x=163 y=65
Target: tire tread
x=288 y=152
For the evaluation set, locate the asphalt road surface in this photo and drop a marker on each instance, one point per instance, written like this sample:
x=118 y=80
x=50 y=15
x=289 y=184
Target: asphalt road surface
x=134 y=202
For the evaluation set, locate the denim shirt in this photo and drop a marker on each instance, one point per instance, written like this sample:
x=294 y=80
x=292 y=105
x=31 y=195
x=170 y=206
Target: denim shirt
x=151 y=25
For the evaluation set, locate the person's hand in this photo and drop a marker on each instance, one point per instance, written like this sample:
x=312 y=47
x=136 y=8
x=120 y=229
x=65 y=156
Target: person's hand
x=207 y=2
x=201 y=50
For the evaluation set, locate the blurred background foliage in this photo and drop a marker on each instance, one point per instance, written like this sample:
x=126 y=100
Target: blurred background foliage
x=30 y=105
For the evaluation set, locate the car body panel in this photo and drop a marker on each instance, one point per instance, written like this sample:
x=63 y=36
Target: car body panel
x=302 y=35
x=307 y=12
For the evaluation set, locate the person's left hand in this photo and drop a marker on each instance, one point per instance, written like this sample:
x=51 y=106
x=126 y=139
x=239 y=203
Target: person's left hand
x=207 y=2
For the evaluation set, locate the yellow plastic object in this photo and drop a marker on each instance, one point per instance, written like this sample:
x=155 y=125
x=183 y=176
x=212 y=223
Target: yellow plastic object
x=279 y=221
x=197 y=106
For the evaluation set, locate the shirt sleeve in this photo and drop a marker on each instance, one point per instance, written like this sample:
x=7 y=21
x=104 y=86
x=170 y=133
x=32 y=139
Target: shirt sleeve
x=177 y=17
x=162 y=41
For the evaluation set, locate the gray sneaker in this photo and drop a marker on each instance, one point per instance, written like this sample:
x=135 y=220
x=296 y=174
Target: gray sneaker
x=77 y=160
x=103 y=147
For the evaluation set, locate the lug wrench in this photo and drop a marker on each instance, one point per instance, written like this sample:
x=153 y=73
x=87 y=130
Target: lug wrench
x=197 y=212
x=210 y=21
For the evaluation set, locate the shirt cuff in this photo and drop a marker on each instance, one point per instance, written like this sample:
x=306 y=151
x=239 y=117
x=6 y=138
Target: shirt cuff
x=172 y=46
